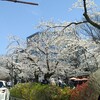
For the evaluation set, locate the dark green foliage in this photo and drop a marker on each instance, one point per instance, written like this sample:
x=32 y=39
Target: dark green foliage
x=35 y=91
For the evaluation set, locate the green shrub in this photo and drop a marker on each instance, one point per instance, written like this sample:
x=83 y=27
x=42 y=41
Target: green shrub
x=35 y=91
x=21 y=91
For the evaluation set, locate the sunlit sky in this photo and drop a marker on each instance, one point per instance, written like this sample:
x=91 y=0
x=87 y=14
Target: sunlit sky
x=20 y=20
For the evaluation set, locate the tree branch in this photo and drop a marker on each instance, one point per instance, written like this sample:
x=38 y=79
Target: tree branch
x=65 y=26
x=41 y=51
x=74 y=23
x=88 y=18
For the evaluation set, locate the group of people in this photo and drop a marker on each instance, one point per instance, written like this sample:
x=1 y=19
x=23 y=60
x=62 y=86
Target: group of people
x=54 y=81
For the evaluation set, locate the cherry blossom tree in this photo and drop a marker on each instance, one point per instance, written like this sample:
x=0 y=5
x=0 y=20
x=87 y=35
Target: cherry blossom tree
x=52 y=49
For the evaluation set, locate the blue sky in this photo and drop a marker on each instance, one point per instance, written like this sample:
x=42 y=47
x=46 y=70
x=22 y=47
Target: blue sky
x=20 y=20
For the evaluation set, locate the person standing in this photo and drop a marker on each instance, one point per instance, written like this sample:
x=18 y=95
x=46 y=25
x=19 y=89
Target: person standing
x=59 y=82
x=22 y=80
